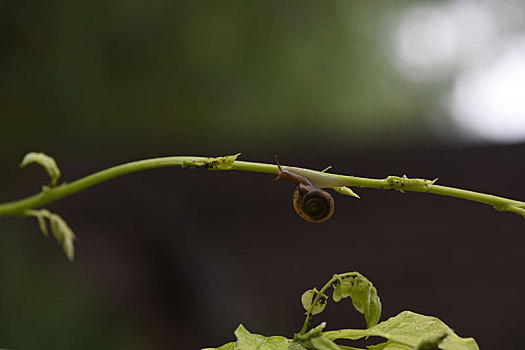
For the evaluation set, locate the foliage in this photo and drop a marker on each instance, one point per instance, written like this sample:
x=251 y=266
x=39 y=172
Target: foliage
x=406 y=331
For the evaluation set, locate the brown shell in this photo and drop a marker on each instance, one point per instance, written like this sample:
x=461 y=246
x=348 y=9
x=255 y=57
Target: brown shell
x=297 y=201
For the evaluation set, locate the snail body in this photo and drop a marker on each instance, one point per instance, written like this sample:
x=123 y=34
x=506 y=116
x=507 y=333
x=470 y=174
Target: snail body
x=310 y=202
x=317 y=178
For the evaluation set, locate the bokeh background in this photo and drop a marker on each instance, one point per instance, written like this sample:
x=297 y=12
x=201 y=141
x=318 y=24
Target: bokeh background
x=177 y=258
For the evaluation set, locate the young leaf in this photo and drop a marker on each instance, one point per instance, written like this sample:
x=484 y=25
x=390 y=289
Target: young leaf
x=312 y=333
x=347 y=191
x=248 y=341
x=363 y=294
x=322 y=343
x=308 y=298
x=365 y=299
x=62 y=232
x=225 y=163
x=342 y=289
x=305 y=339
x=410 y=329
x=41 y=216
x=45 y=161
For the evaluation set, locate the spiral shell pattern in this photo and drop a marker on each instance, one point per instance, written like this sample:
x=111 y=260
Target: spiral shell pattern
x=314 y=205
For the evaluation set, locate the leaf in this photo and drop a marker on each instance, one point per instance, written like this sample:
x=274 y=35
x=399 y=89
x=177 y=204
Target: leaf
x=312 y=333
x=322 y=343
x=346 y=191
x=41 y=216
x=220 y=163
x=342 y=290
x=63 y=234
x=45 y=161
x=366 y=301
x=344 y=347
x=390 y=345
x=432 y=343
x=227 y=161
x=305 y=340
x=308 y=298
x=363 y=294
x=295 y=346
x=411 y=329
x=228 y=346
x=60 y=229
x=248 y=341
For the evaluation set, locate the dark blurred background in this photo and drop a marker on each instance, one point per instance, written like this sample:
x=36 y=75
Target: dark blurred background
x=177 y=258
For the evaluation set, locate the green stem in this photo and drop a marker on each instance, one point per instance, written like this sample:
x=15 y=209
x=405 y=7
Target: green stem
x=321 y=293
x=51 y=194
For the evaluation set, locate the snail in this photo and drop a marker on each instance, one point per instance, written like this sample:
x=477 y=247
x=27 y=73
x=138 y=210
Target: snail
x=310 y=202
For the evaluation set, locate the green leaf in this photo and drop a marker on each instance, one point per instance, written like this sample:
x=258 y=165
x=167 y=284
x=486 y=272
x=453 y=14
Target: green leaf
x=60 y=229
x=433 y=342
x=346 y=191
x=248 y=341
x=41 y=216
x=366 y=301
x=45 y=161
x=363 y=294
x=390 y=345
x=312 y=333
x=322 y=343
x=228 y=346
x=308 y=298
x=63 y=234
x=342 y=289
x=305 y=339
x=411 y=329
x=295 y=346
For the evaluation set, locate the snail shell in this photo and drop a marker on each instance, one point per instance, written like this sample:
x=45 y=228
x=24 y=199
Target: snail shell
x=313 y=204
x=310 y=202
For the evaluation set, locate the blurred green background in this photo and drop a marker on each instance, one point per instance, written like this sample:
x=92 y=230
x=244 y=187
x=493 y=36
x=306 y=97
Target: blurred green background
x=430 y=89
x=104 y=75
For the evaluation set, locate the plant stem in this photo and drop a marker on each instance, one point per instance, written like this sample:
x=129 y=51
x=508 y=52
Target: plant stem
x=318 y=296
x=51 y=194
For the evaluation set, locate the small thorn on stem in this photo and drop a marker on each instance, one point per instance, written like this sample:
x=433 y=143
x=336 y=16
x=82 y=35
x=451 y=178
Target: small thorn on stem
x=279 y=169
